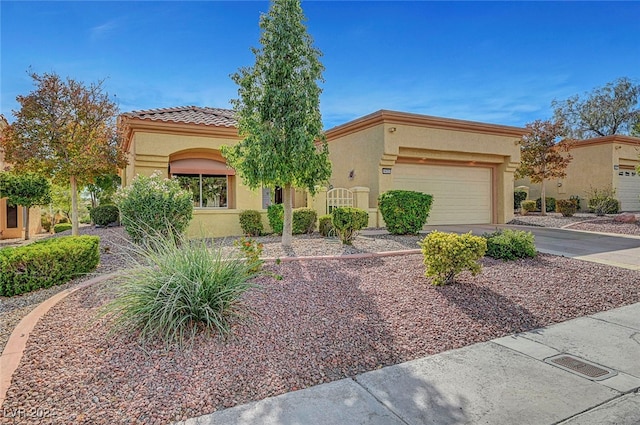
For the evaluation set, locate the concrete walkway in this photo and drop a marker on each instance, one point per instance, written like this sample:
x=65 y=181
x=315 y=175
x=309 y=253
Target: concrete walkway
x=503 y=381
x=525 y=378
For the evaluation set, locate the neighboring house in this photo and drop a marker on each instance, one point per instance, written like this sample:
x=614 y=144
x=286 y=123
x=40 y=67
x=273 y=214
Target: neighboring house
x=12 y=218
x=467 y=166
x=184 y=143
x=599 y=163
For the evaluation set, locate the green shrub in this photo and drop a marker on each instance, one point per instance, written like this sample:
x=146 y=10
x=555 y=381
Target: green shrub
x=347 y=221
x=603 y=201
x=103 y=215
x=63 y=220
x=404 y=211
x=50 y=262
x=448 y=254
x=566 y=207
x=251 y=223
x=576 y=199
x=518 y=197
x=510 y=244
x=324 y=225
x=528 y=206
x=154 y=206
x=275 y=215
x=304 y=220
x=550 y=204
x=176 y=288
x=61 y=227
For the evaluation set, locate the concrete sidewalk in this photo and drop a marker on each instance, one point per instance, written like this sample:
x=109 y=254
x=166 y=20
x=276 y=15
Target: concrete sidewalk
x=504 y=381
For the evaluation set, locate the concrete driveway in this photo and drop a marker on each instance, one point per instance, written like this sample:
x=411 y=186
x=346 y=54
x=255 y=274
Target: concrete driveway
x=620 y=251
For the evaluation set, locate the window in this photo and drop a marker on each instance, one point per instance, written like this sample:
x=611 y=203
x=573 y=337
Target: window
x=12 y=217
x=208 y=191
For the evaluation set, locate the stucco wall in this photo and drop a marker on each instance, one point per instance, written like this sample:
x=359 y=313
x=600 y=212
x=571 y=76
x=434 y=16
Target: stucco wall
x=360 y=152
x=370 y=149
x=592 y=167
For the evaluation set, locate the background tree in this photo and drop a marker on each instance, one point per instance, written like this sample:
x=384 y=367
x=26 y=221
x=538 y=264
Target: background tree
x=278 y=110
x=608 y=110
x=66 y=130
x=542 y=155
x=102 y=189
x=26 y=190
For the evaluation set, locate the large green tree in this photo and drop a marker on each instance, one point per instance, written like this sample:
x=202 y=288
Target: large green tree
x=542 y=154
x=27 y=190
x=278 y=110
x=66 y=130
x=608 y=110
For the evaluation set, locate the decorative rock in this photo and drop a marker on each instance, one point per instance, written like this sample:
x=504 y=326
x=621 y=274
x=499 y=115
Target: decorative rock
x=625 y=218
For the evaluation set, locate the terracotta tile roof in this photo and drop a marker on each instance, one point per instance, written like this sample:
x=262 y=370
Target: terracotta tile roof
x=188 y=114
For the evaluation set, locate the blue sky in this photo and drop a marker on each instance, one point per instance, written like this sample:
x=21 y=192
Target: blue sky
x=497 y=62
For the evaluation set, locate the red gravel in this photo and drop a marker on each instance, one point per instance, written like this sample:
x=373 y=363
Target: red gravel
x=324 y=321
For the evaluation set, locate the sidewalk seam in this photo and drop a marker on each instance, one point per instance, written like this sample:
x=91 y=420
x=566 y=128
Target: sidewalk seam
x=380 y=402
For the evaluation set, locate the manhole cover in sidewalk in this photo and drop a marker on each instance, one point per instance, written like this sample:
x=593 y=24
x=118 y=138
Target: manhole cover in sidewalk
x=581 y=367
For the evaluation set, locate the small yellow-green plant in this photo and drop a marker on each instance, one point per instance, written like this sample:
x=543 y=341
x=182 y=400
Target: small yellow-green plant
x=528 y=206
x=448 y=254
x=252 y=250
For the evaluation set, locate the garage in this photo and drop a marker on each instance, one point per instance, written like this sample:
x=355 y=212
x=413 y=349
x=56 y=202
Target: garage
x=461 y=194
x=628 y=190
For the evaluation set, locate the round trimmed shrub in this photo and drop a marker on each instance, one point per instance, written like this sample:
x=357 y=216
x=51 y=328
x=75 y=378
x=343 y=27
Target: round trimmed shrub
x=404 y=211
x=103 y=215
x=518 y=197
x=304 y=220
x=347 y=221
x=508 y=244
x=324 y=225
x=550 y=204
x=448 y=254
x=251 y=223
x=154 y=206
x=61 y=227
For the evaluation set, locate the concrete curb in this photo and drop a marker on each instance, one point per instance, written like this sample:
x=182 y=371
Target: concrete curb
x=13 y=351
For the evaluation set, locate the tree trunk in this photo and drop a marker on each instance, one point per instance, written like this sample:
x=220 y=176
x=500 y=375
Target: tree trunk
x=288 y=216
x=75 y=230
x=543 y=199
x=26 y=224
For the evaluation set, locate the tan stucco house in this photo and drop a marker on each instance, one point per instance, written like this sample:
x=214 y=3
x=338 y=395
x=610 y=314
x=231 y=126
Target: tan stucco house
x=13 y=218
x=467 y=166
x=598 y=163
x=184 y=143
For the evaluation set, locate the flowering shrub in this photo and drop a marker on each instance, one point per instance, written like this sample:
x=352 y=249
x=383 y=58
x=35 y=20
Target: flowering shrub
x=154 y=206
x=252 y=250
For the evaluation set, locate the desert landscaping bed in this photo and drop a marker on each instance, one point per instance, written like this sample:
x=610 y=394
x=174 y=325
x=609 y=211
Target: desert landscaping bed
x=324 y=321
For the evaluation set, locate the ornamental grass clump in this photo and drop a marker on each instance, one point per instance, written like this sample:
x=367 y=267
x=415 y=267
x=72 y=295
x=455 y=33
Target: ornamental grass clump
x=448 y=254
x=175 y=289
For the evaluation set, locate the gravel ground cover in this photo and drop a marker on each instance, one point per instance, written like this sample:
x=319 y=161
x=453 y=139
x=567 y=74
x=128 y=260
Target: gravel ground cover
x=325 y=320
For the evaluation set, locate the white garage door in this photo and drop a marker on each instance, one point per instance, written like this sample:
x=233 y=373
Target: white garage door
x=629 y=190
x=461 y=195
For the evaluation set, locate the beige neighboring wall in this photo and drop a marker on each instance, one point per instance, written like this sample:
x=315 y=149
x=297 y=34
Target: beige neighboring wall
x=595 y=165
x=366 y=146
